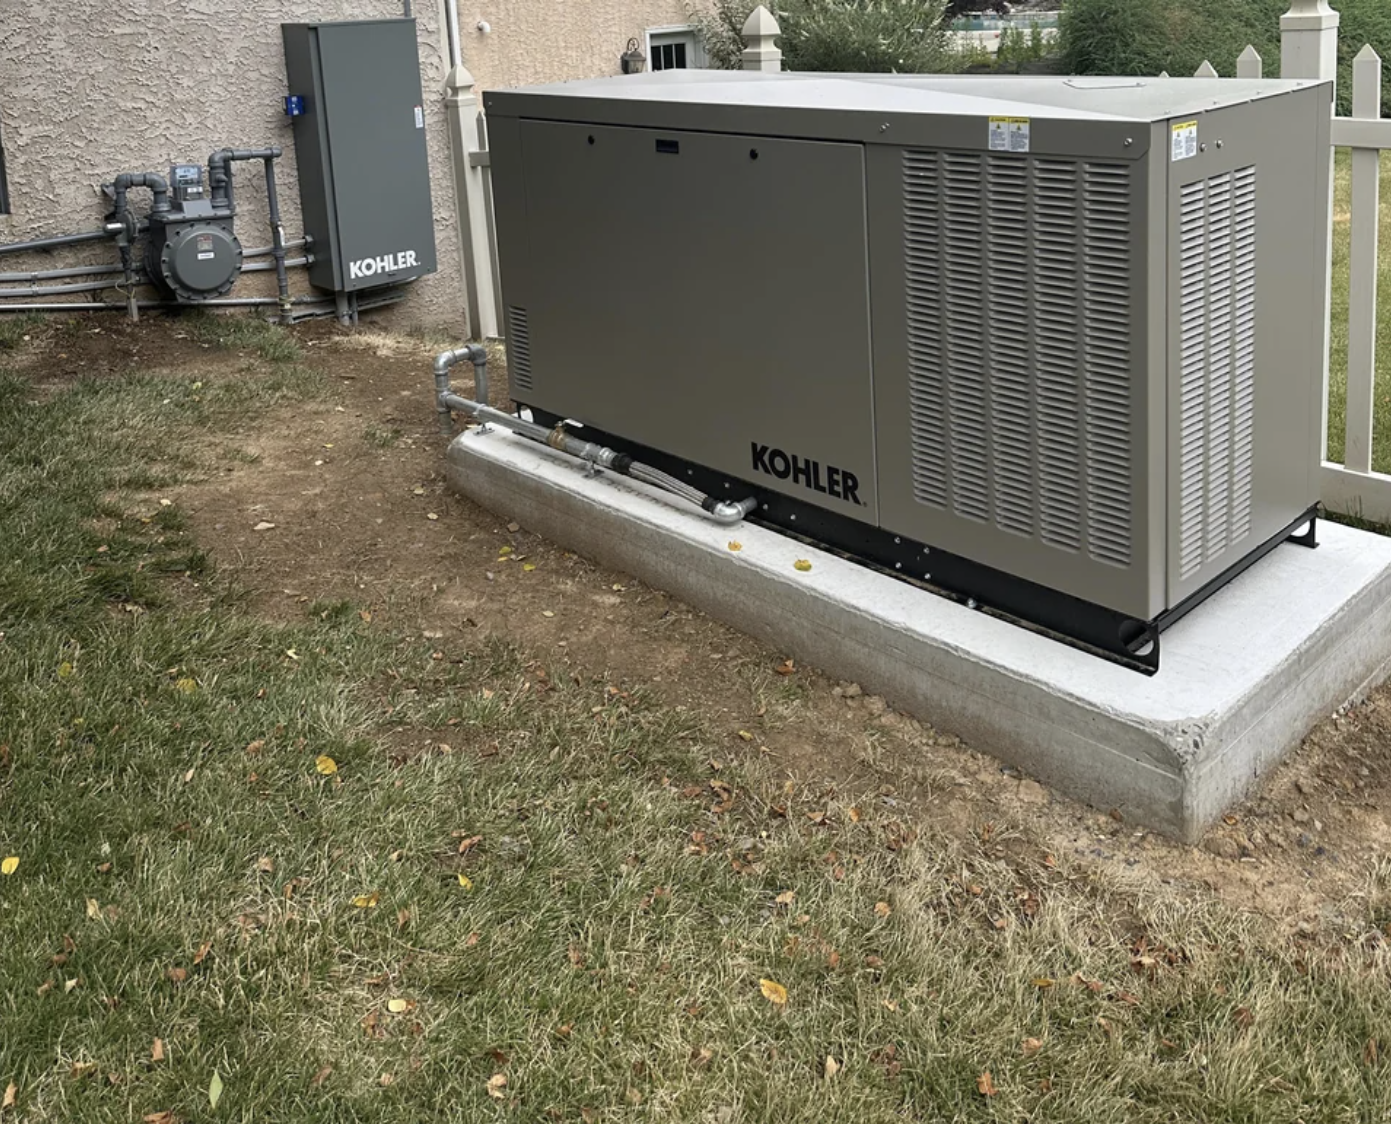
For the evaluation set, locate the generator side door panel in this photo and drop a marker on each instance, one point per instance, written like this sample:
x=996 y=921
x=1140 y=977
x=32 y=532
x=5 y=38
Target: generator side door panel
x=1013 y=367
x=703 y=294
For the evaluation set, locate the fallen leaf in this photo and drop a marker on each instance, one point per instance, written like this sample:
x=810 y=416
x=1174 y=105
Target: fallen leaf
x=11 y=1092
x=432 y=517
x=890 y=1005
x=399 y=1006
x=787 y=667
x=985 y=1084
x=177 y=975
x=736 y=547
x=159 y=1118
x=188 y=776
x=326 y=765
x=215 y=1089
x=1242 y=1017
x=547 y=613
x=386 y=1079
x=9 y=865
x=465 y=881
x=396 y=856
x=93 y=909
x=365 y=615
x=186 y=686
x=775 y=993
x=576 y=954
x=265 y=864
x=367 y=901
x=82 y=1069
x=264 y=526
x=1107 y=1026
x=1371 y=1053
x=69 y=985
x=1043 y=982
x=830 y=1067
x=65 y=670
x=157 y=1050
x=855 y=815
x=882 y=909
x=802 y=564
x=202 y=953
x=514 y=527
x=787 y=897
x=319 y=1078
x=103 y=868
x=469 y=843
x=471 y=940
x=292 y=653
x=1031 y=1046
x=497 y=1085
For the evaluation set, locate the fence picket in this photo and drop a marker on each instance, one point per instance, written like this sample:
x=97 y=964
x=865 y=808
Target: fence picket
x=1362 y=305
x=1250 y=64
x=1207 y=70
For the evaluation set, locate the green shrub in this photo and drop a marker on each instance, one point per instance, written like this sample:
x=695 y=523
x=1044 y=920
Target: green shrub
x=1145 y=37
x=859 y=36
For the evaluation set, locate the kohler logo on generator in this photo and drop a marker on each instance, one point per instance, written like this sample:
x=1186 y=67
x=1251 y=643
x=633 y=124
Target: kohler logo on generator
x=1050 y=347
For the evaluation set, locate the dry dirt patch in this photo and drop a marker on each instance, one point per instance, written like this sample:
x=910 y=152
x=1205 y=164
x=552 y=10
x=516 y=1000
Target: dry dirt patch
x=353 y=483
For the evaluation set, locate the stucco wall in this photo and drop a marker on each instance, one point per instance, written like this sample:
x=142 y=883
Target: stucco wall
x=534 y=41
x=90 y=88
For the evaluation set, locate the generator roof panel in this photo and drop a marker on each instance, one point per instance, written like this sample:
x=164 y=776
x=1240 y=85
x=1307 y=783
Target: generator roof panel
x=633 y=97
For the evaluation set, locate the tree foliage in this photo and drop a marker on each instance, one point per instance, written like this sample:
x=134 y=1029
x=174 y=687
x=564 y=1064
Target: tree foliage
x=1143 y=38
x=862 y=36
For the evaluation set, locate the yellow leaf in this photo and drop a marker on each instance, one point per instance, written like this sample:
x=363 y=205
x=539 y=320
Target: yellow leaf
x=736 y=547
x=157 y=1050
x=93 y=909
x=528 y=566
x=9 y=865
x=465 y=882
x=787 y=897
x=398 y=1006
x=748 y=737
x=11 y=1091
x=1031 y=1046
x=367 y=901
x=504 y=550
x=1042 y=982
x=775 y=993
x=69 y=985
x=187 y=686
x=831 y=1068
x=65 y=670
x=326 y=765
x=802 y=564
x=497 y=1086
x=882 y=909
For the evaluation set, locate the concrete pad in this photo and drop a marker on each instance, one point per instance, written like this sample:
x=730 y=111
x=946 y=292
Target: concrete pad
x=1242 y=679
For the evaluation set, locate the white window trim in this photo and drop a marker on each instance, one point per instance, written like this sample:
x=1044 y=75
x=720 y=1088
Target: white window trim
x=698 y=60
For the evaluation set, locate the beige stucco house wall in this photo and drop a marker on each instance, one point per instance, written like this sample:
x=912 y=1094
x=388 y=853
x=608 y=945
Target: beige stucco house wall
x=89 y=89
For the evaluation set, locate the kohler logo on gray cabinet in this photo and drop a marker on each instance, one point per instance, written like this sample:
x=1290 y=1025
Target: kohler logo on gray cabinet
x=364 y=174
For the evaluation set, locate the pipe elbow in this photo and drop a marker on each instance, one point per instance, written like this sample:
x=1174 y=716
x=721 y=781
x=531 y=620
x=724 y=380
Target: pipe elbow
x=728 y=513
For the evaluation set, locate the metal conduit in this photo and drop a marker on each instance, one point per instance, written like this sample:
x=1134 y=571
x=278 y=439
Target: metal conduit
x=723 y=512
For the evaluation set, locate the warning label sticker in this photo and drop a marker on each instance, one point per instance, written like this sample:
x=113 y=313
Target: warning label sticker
x=1009 y=134
x=1185 y=140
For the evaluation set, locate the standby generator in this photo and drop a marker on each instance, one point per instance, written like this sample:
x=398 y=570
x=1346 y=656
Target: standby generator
x=1050 y=346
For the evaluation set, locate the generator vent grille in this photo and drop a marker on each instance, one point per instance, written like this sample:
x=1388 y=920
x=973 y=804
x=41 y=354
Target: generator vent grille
x=1217 y=330
x=519 y=348
x=1017 y=278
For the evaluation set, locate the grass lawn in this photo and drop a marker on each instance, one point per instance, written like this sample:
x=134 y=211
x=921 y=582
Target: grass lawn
x=237 y=872
x=1338 y=356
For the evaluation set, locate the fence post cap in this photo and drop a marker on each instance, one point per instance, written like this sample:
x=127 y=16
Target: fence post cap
x=1250 y=54
x=761 y=24
x=1207 y=70
x=1367 y=54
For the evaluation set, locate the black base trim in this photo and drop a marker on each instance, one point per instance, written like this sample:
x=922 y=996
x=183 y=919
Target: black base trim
x=1080 y=624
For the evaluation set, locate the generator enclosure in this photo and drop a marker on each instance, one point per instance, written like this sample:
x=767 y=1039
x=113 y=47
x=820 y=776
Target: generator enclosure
x=1066 y=332
x=364 y=175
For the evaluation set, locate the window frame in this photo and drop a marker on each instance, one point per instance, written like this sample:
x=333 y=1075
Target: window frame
x=677 y=33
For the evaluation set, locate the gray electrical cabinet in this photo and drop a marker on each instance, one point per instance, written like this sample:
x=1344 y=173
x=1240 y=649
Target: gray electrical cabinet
x=364 y=176
x=1051 y=345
